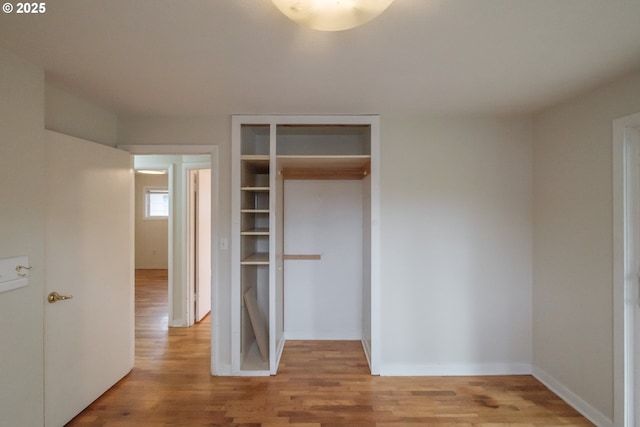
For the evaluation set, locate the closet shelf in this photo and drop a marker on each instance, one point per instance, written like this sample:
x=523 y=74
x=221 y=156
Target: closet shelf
x=259 y=258
x=324 y=167
x=301 y=257
x=255 y=189
x=258 y=158
x=254 y=210
x=256 y=232
x=346 y=160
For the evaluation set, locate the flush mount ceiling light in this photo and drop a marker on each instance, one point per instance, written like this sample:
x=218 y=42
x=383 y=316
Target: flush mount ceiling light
x=331 y=15
x=151 y=171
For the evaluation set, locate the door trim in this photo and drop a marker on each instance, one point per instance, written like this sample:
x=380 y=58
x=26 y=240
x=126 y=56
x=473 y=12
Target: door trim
x=188 y=253
x=626 y=252
x=212 y=151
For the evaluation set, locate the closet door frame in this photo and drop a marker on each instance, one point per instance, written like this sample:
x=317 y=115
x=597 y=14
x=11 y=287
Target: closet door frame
x=372 y=343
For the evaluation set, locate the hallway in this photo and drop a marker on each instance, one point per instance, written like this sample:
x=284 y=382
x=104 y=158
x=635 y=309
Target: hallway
x=319 y=384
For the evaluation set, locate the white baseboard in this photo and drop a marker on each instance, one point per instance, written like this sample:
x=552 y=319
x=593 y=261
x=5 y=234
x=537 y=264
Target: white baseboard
x=224 y=370
x=279 y=350
x=588 y=411
x=178 y=323
x=367 y=351
x=455 y=369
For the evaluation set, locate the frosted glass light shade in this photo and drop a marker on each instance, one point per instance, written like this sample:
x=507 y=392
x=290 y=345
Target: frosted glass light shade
x=151 y=171
x=331 y=15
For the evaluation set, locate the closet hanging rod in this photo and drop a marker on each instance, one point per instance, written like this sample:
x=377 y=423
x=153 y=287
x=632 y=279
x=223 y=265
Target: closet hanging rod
x=302 y=257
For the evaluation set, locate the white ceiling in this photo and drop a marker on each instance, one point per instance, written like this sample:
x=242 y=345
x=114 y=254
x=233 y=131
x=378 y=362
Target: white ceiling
x=201 y=57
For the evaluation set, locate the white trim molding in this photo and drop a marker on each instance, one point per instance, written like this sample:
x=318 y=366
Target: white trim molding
x=212 y=150
x=588 y=411
x=626 y=199
x=185 y=223
x=454 y=369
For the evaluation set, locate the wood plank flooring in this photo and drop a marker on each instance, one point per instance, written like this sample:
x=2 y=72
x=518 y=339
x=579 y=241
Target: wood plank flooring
x=319 y=384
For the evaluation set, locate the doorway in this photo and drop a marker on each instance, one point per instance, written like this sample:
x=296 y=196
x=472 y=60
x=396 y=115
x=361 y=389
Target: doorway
x=181 y=198
x=626 y=232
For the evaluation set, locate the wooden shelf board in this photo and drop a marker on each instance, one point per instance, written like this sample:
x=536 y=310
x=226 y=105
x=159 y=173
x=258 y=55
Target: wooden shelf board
x=324 y=167
x=256 y=259
x=322 y=129
x=254 y=210
x=339 y=161
x=324 y=174
x=255 y=157
x=301 y=257
x=255 y=232
x=256 y=189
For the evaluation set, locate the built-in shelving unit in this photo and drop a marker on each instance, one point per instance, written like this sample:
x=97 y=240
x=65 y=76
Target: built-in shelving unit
x=266 y=151
x=253 y=241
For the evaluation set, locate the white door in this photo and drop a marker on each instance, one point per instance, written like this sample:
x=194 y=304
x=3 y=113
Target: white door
x=89 y=339
x=203 y=244
x=323 y=296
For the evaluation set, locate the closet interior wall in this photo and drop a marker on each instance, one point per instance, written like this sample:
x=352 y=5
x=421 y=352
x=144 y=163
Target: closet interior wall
x=323 y=259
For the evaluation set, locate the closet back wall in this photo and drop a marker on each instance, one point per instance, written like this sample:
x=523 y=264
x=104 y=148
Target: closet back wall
x=323 y=298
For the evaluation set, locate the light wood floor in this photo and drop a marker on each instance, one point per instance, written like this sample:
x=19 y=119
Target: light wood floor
x=319 y=384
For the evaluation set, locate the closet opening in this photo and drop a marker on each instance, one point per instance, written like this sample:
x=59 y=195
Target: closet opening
x=304 y=206
x=323 y=169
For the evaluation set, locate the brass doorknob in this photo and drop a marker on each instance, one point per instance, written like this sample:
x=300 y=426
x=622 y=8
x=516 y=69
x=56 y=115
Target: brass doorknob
x=54 y=296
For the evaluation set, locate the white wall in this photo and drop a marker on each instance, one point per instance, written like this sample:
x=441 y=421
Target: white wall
x=22 y=233
x=573 y=258
x=72 y=115
x=456 y=245
x=152 y=235
x=456 y=237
